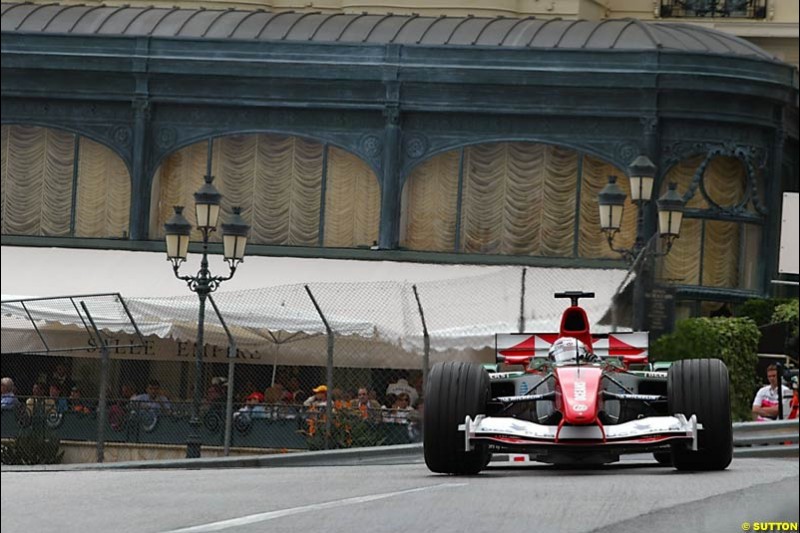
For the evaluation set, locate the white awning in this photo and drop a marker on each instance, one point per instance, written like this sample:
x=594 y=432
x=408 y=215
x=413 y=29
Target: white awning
x=267 y=303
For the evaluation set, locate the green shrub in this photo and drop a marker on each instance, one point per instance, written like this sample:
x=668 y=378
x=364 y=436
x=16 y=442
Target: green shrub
x=348 y=430
x=787 y=312
x=734 y=340
x=760 y=310
x=34 y=446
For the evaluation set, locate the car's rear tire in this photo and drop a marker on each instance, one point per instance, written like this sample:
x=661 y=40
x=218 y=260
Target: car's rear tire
x=454 y=390
x=702 y=387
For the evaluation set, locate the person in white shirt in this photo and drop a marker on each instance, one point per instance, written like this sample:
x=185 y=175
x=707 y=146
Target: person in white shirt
x=765 y=404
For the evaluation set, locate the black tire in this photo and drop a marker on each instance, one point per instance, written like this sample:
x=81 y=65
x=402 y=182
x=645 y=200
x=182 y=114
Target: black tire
x=663 y=458
x=702 y=387
x=454 y=390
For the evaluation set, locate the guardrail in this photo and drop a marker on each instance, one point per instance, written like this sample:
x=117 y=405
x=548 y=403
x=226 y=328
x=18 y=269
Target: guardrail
x=777 y=438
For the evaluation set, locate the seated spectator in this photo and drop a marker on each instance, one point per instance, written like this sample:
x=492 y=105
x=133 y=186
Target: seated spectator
x=364 y=404
x=245 y=390
x=319 y=399
x=402 y=386
x=288 y=407
x=401 y=412
x=60 y=377
x=152 y=400
x=58 y=401
x=339 y=399
x=216 y=395
x=274 y=394
x=253 y=407
x=9 y=399
x=76 y=403
x=118 y=412
x=38 y=394
x=765 y=404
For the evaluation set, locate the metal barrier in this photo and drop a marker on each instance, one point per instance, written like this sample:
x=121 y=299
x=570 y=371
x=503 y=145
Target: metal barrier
x=777 y=438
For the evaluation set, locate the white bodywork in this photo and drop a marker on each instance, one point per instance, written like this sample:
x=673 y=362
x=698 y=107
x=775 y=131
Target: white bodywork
x=662 y=426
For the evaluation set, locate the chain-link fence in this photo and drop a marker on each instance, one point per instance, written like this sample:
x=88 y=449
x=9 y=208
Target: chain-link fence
x=323 y=365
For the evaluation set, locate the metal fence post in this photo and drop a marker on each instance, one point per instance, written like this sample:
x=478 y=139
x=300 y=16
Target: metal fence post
x=102 y=400
x=426 y=354
x=329 y=380
x=231 y=364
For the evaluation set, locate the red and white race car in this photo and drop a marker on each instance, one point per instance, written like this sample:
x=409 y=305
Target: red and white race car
x=578 y=398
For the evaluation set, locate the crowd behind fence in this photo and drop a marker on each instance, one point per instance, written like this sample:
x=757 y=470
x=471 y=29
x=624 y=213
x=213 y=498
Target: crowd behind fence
x=325 y=365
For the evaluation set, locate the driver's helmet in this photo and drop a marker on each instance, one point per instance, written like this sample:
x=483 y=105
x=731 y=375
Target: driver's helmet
x=568 y=349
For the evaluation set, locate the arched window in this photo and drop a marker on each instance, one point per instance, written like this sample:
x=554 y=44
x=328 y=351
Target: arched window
x=293 y=191
x=514 y=198
x=713 y=252
x=59 y=184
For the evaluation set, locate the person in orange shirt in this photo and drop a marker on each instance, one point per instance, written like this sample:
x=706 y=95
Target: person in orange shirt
x=367 y=407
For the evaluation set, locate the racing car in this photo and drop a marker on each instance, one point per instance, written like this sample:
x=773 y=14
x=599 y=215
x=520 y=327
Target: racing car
x=576 y=398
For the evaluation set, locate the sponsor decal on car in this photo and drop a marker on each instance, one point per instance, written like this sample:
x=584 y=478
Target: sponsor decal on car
x=580 y=390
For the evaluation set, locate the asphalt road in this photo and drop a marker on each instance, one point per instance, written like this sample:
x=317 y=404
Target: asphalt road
x=635 y=495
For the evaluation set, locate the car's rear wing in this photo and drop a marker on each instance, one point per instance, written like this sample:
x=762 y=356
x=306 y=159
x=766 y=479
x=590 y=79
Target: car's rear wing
x=520 y=348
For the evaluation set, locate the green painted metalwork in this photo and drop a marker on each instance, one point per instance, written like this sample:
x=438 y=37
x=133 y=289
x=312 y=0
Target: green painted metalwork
x=323 y=190
x=459 y=201
x=576 y=234
x=76 y=152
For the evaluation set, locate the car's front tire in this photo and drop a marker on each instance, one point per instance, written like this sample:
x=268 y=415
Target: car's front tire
x=454 y=390
x=702 y=387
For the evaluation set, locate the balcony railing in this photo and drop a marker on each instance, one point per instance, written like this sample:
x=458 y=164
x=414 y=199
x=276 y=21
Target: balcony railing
x=750 y=9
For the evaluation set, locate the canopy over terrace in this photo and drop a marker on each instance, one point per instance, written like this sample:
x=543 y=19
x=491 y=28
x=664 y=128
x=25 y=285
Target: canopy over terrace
x=376 y=324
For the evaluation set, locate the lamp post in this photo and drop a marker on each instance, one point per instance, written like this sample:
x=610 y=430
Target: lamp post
x=234 y=238
x=611 y=202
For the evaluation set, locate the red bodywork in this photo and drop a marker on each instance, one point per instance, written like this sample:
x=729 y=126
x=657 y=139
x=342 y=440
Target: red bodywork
x=578 y=394
x=574 y=323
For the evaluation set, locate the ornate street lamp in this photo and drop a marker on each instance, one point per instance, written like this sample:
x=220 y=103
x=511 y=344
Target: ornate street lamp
x=611 y=201
x=234 y=236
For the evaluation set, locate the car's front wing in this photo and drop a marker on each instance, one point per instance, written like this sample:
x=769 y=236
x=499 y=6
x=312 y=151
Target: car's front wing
x=645 y=433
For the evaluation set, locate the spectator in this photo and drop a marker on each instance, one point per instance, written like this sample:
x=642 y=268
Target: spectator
x=401 y=412
x=58 y=401
x=274 y=394
x=216 y=397
x=288 y=407
x=9 y=399
x=60 y=377
x=118 y=412
x=765 y=404
x=253 y=407
x=391 y=399
x=402 y=386
x=245 y=391
x=319 y=399
x=126 y=392
x=38 y=394
x=364 y=404
x=76 y=403
x=152 y=400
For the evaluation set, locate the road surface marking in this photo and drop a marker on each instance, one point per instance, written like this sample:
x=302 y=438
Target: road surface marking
x=263 y=517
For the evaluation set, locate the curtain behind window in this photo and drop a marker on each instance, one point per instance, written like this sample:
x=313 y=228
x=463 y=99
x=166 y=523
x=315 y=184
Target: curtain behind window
x=277 y=180
x=37 y=169
x=517 y=199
